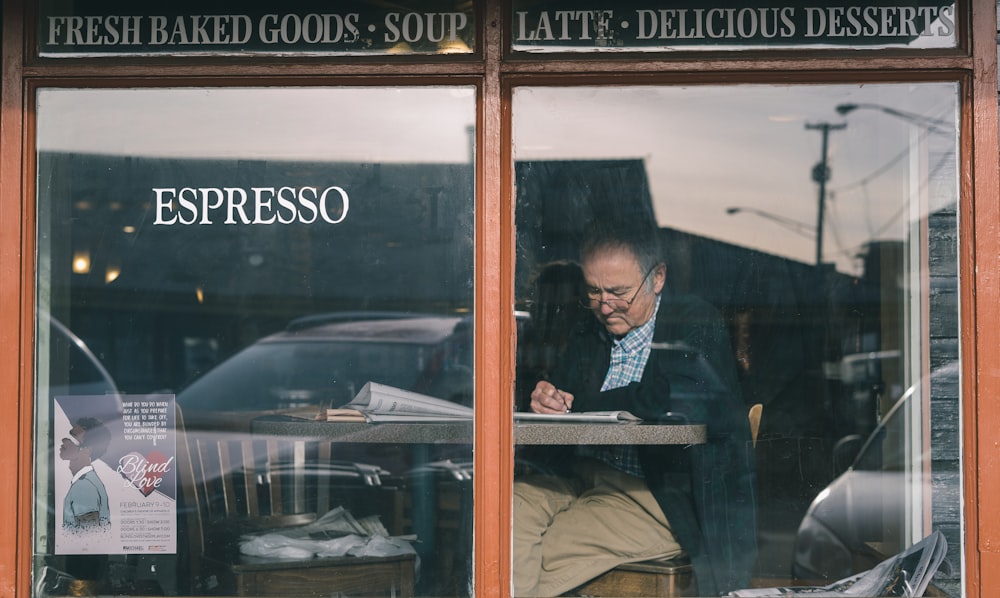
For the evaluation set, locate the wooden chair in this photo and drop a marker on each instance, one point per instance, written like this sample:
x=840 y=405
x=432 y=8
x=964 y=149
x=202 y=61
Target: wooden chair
x=227 y=490
x=656 y=577
x=755 y=412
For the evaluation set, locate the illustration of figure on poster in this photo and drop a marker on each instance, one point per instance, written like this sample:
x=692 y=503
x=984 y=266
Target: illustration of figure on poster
x=118 y=492
x=85 y=505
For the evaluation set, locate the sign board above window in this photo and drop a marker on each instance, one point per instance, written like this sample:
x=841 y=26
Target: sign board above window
x=219 y=27
x=370 y=27
x=647 y=25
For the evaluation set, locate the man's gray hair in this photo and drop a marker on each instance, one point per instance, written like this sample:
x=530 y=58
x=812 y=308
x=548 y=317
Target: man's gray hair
x=642 y=241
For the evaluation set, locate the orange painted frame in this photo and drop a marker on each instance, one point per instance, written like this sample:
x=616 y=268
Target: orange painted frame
x=15 y=372
x=980 y=263
x=975 y=66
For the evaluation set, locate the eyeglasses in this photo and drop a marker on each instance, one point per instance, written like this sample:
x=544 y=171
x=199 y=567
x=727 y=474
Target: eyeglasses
x=593 y=298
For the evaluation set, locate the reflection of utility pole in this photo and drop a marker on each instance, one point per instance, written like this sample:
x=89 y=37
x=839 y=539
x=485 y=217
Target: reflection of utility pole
x=820 y=174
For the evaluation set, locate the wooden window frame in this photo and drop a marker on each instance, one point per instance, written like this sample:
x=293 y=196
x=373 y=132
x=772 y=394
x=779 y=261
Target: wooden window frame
x=496 y=71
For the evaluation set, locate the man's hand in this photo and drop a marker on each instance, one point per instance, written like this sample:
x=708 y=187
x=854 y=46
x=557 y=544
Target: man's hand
x=546 y=398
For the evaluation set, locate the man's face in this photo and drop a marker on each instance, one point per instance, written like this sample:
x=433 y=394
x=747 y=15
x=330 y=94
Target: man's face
x=70 y=449
x=613 y=277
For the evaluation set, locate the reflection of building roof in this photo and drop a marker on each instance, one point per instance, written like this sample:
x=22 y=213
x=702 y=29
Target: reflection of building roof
x=406 y=243
x=569 y=194
x=407 y=238
x=558 y=199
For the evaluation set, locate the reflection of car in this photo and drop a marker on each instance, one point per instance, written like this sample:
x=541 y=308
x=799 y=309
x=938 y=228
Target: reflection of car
x=866 y=378
x=325 y=360
x=73 y=367
x=873 y=500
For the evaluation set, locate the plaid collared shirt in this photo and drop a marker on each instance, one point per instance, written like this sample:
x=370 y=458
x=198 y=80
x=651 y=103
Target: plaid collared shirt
x=629 y=355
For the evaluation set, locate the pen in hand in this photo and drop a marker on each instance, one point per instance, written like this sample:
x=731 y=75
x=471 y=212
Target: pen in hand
x=562 y=397
x=546 y=398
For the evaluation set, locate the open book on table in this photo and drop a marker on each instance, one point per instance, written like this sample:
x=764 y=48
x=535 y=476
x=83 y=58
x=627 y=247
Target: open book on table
x=612 y=417
x=380 y=403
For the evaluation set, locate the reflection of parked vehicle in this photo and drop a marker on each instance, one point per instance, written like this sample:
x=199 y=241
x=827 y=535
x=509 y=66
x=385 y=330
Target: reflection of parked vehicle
x=874 y=500
x=866 y=379
x=73 y=367
x=325 y=360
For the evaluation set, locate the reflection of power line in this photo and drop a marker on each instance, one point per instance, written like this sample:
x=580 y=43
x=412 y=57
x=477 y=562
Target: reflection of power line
x=795 y=226
x=834 y=226
x=933 y=125
x=928 y=125
x=876 y=173
x=851 y=252
x=902 y=209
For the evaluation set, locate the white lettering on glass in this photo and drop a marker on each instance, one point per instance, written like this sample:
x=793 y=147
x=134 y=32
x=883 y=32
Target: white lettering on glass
x=258 y=205
x=311 y=28
x=564 y=25
x=748 y=23
x=430 y=26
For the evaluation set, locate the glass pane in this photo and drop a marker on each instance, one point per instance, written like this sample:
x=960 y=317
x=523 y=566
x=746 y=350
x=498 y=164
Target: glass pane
x=217 y=270
x=686 y=253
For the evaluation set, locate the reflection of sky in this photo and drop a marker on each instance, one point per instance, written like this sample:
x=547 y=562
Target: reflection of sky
x=710 y=148
x=347 y=124
x=706 y=148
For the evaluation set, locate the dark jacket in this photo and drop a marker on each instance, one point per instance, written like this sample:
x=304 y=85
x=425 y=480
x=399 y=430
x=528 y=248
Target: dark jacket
x=706 y=491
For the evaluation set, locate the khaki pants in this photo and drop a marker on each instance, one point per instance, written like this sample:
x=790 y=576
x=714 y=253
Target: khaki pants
x=567 y=532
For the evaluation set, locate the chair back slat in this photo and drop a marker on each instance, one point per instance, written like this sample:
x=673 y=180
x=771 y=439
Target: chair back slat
x=193 y=504
x=323 y=500
x=229 y=483
x=273 y=477
x=248 y=479
x=298 y=476
x=206 y=477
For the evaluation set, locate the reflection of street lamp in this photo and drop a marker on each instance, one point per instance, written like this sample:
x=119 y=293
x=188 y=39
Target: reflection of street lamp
x=934 y=125
x=795 y=226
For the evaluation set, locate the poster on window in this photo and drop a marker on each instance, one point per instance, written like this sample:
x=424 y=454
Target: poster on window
x=115 y=474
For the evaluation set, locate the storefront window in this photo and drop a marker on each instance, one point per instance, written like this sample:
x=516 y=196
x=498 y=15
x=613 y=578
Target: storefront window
x=805 y=260
x=217 y=270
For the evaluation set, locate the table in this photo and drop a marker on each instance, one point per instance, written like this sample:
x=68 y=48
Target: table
x=461 y=432
x=424 y=435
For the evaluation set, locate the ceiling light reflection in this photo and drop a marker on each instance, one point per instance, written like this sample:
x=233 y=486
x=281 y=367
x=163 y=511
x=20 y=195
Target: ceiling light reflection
x=81 y=262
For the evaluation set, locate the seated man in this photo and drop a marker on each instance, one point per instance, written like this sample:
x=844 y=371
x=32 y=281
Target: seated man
x=608 y=505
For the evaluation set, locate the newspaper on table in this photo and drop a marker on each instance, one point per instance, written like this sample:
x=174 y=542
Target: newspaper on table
x=592 y=417
x=906 y=574
x=336 y=533
x=379 y=403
